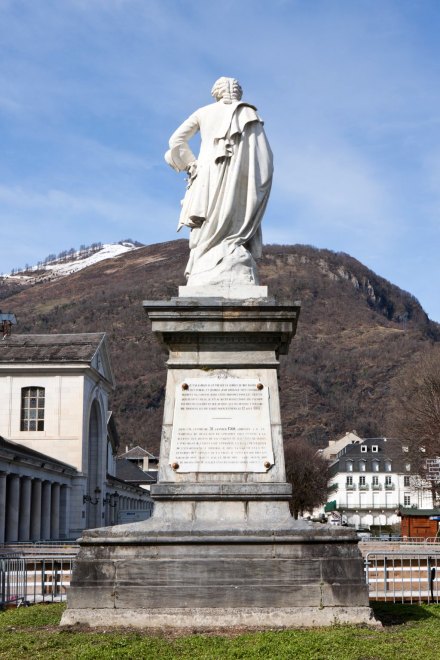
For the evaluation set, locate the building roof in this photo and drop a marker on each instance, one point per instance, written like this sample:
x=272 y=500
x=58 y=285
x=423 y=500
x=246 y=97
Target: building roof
x=137 y=453
x=413 y=511
x=388 y=449
x=130 y=473
x=334 y=446
x=14 y=451
x=79 y=347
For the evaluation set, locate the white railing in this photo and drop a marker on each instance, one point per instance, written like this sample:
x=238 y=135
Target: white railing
x=34 y=579
x=12 y=580
x=410 y=540
x=403 y=577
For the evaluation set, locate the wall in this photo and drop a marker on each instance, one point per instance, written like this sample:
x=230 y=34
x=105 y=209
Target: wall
x=419 y=526
x=63 y=423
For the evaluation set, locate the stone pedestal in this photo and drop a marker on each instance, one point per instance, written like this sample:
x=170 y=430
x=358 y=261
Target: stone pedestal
x=221 y=548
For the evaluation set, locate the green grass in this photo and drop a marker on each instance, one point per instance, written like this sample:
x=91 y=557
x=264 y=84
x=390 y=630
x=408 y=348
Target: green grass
x=410 y=632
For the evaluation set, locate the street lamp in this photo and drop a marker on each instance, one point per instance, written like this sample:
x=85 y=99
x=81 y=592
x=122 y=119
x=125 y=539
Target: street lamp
x=90 y=500
x=111 y=499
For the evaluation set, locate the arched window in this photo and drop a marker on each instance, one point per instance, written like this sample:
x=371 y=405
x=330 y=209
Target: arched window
x=32 y=409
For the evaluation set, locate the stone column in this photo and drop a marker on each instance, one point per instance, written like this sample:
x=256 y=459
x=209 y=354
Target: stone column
x=45 y=510
x=25 y=509
x=55 y=512
x=12 y=508
x=2 y=506
x=107 y=509
x=64 y=512
x=36 y=510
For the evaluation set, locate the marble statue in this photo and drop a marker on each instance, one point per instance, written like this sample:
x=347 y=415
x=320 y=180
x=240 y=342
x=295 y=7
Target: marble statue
x=228 y=187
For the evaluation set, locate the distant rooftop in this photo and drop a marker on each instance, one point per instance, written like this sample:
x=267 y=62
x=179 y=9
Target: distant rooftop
x=136 y=453
x=130 y=473
x=79 y=347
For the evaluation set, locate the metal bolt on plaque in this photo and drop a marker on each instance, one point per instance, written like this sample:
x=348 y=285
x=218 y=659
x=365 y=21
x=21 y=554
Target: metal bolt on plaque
x=185 y=386
x=260 y=386
x=175 y=466
x=267 y=464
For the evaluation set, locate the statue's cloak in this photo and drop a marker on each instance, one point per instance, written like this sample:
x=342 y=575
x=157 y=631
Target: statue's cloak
x=225 y=202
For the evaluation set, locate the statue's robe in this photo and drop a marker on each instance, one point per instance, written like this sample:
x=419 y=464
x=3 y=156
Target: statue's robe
x=225 y=202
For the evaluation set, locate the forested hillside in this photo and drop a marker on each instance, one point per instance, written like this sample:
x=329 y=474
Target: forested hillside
x=355 y=332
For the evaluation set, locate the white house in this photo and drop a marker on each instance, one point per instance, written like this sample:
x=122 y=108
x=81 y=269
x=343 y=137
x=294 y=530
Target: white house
x=54 y=405
x=370 y=479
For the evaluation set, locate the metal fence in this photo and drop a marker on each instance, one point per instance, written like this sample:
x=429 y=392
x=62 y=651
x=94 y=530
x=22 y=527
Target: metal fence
x=34 y=547
x=34 y=579
x=398 y=577
x=12 y=580
x=412 y=540
x=403 y=577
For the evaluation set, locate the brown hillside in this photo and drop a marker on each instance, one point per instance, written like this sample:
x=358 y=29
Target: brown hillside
x=355 y=331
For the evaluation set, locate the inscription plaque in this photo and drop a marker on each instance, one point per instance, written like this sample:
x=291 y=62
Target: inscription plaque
x=221 y=425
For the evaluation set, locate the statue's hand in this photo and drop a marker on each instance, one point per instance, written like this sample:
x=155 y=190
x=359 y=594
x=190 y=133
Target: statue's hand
x=192 y=172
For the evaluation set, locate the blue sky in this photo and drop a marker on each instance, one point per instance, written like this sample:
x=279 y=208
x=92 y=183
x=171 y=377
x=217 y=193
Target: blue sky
x=90 y=91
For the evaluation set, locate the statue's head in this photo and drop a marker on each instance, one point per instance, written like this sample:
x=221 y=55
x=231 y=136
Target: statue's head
x=227 y=90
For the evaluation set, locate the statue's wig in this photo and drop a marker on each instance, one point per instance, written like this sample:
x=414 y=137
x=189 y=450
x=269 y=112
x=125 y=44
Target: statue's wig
x=227 y=89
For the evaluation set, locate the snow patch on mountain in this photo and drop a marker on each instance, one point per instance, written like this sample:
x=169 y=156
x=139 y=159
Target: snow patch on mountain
x=108 y=251
x=74 y=262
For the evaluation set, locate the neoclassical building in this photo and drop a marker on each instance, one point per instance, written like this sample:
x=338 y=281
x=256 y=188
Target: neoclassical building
x=59 y=442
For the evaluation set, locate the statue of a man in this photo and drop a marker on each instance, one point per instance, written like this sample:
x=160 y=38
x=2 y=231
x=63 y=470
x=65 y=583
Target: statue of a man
x=228 y=187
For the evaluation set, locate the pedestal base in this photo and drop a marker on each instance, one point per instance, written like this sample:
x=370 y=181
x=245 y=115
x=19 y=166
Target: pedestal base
x=202 y=576
x=240 y=292
x=226 y=619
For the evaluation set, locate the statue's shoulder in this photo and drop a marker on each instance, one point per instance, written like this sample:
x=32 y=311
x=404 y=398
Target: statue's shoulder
x=219 y=106
x=247 y=105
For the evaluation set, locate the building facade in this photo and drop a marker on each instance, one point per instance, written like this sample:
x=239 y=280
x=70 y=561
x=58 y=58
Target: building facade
x=54 y=407
x=370 y=480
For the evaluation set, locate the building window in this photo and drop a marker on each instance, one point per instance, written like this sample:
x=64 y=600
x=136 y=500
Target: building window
x=375 y=481
x=32 y=409
x=375 y=466
x=388 y=480
x=375 y=448
x=408 y=467
x=407 y=500
x=349 y=481
x=349 y=466
x=387 y=466
x=362 y=466
x=406 y=482
x=361 y=481
x=364 y=449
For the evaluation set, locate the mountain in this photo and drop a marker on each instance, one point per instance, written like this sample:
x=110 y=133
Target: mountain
x=355 y=332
